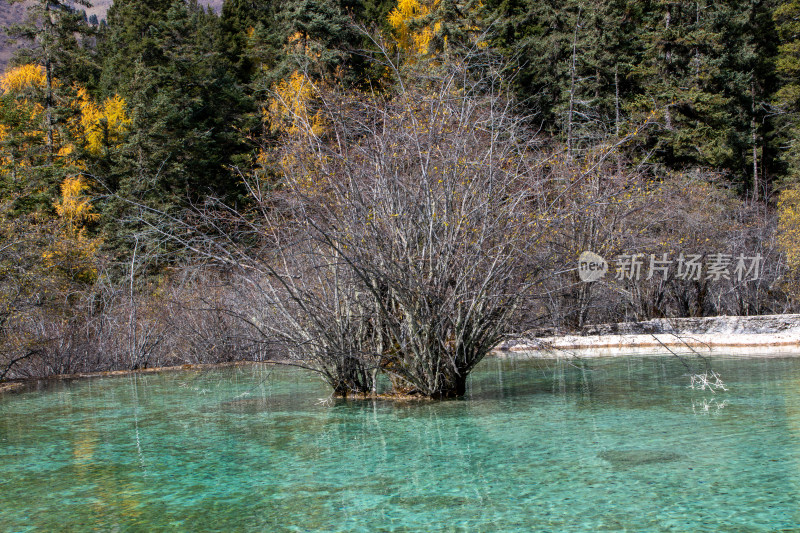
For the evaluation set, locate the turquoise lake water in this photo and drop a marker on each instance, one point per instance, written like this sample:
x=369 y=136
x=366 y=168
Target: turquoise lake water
x=604 y=445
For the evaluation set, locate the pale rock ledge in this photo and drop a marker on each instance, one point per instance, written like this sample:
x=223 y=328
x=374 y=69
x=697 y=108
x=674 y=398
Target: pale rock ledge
x=775 y=335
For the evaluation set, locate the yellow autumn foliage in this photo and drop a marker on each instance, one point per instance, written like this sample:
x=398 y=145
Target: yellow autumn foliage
x=74 y=207
x=101 y=124
x=290 y=109
x=20 y=81
x=415 y=24
x=416 y=42
x=22 y=78
x=94 y=126
x=73 y=252
x=90 y=121
x=20 y=146
x=73 y=256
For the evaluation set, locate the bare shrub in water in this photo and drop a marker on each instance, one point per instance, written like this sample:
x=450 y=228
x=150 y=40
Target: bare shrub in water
x=394 y=241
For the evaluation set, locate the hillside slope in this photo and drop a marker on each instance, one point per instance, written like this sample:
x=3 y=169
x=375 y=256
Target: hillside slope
x=9 y=14
x=15 y=14
x=100 y=7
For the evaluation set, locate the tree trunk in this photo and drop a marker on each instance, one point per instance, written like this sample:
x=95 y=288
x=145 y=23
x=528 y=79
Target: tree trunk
x=48 y=66
x=754 y=133
x=667 y=61
x=572 y=86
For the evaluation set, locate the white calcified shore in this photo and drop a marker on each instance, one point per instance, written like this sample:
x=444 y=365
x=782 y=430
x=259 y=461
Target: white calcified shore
x=774 y=335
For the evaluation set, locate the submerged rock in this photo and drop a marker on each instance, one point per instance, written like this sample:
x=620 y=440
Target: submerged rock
x=627 y=458
x=246 y=405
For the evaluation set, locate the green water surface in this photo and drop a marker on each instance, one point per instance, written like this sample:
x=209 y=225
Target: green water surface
x=605 y=445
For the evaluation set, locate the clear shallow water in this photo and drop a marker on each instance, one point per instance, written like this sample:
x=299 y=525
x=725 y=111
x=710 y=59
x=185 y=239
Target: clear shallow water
x=617 y=445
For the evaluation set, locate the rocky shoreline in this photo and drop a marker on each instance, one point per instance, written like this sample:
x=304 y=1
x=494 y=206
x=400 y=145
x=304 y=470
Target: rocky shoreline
x=768 y=335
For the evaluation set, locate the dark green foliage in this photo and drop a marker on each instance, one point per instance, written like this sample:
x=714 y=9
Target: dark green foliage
x=565 y=51
x=31 y=184
x=59 y=42
x=593 y=69
x=59 y=39
x=251 y=36
x=318 y=32
x=681 y=70
x=184 y=101
x=749 y=81
x=788 y=96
